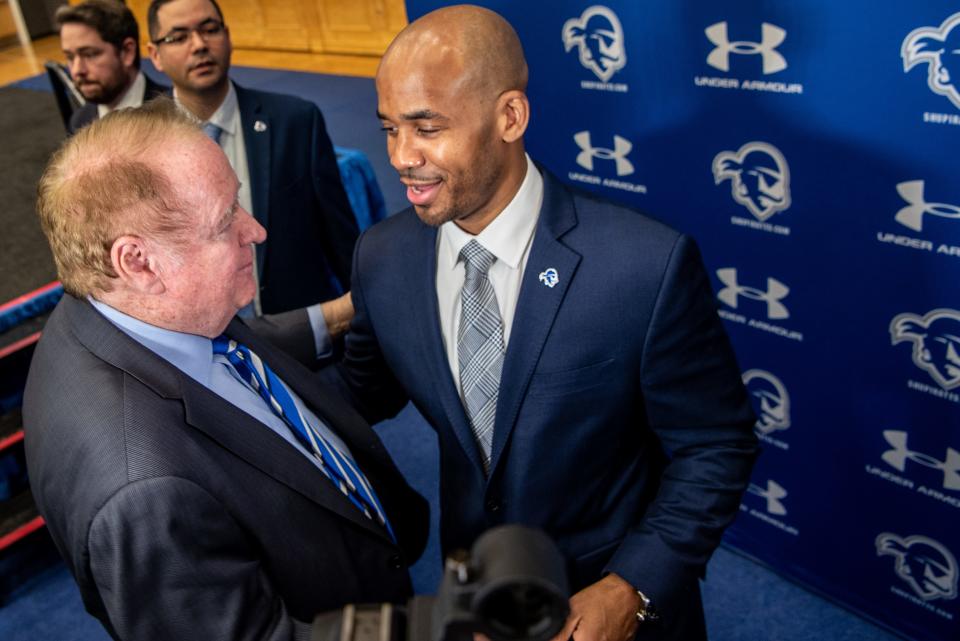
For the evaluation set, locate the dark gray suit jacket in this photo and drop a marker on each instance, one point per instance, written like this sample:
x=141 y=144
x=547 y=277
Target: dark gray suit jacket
x=182 y=517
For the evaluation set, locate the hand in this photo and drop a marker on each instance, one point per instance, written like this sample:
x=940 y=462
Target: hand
x=337 y=313
x=604 y=611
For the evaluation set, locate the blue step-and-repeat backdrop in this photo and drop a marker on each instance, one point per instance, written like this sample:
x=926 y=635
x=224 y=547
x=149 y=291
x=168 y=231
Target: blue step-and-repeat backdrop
x=813 y=149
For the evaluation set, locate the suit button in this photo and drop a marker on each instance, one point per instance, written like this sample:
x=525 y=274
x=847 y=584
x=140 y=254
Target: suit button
x=395 y=562
x=494 y=506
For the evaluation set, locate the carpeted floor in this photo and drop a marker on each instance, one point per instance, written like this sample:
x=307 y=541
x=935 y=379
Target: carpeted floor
x=30 y=128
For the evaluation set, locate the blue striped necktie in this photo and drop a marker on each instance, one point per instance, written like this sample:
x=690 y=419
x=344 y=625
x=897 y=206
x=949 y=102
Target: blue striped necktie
x=338 y=467
x=212 y=131
x=480 y=346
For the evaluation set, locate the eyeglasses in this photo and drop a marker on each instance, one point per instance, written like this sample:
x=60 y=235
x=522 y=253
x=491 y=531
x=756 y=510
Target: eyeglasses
x=207 y=30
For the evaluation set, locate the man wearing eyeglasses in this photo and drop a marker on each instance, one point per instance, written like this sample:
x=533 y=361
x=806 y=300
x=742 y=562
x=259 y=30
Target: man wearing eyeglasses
x=101 y=43
x=279 y=148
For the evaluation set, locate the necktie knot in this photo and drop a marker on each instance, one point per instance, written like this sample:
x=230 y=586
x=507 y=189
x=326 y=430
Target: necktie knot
x=223 y=345
x=477 y=258
x=212 y=131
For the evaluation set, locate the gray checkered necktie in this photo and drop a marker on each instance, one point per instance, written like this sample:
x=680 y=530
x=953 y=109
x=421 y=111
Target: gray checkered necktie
x=480 y=346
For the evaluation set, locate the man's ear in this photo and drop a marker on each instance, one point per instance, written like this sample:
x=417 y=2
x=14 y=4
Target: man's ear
x=154 y=52
x=136 y=266
x=513 y=108
x=128 y=52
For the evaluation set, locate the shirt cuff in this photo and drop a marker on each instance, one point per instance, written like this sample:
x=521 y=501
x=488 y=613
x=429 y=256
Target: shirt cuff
x=321 y=337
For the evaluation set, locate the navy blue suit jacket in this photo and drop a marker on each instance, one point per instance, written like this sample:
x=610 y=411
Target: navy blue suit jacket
x=622 y=427
x=299 y=199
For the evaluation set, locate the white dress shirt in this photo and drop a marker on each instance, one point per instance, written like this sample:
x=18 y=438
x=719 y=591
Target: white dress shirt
x=132 y=97
x=508 y=237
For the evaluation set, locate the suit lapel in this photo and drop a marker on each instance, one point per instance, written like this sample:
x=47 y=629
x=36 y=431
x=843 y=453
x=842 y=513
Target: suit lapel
x=221 y=421
x=257 y=131
x=349 y=425
x=259 y=446
x=363 y=443
x=423 y=294
x=537 y=307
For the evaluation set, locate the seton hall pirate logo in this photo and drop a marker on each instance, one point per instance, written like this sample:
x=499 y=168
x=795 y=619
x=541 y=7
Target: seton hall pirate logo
x=939 y=49
x=924 y=564
x=936 y=343
x=759 y=178
x=771 y=402
x=599 y=38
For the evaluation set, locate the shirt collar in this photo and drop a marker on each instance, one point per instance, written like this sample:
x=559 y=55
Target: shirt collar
x=508 y=235
x=132 y=97
x=189 y=353
x=227 y=115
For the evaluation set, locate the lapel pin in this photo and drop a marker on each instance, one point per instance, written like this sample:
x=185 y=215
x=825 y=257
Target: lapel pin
x=549 y=277
x=259 y=126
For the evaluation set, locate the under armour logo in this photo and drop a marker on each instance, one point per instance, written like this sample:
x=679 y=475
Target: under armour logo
x=759 y=178
x=621 y=147
x=912 y=215
x=938 y=47
x=773 y=493
x=927 y=567
x=771 y=36
x=733 y=290
x=771 y=401
x=936 y=343
x=898 y=456
x=598 y=35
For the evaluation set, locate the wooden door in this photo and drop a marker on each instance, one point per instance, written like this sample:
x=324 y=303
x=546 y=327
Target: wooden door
x=357 y=26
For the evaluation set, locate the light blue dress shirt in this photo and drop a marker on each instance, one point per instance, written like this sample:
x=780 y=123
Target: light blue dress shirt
x=193 y=355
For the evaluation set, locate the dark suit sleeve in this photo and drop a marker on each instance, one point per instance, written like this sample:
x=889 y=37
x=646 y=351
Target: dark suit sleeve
x=363 y=375
x=170 y=562
x=290 y=331
x=337 y=220
x=81 y=117
x=697 y=406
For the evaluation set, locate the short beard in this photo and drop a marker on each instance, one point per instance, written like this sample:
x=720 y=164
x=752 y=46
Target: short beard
x=106 y=95
x=460 y=208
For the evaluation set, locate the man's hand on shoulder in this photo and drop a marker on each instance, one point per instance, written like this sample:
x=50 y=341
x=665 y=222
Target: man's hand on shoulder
x=603 y=611
x=337 y=314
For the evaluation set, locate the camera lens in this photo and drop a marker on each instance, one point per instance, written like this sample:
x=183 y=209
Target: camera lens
x=524 y=611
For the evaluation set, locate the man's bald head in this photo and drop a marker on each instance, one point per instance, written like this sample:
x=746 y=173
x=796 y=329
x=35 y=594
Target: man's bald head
x=477 y=44
x=450 y=97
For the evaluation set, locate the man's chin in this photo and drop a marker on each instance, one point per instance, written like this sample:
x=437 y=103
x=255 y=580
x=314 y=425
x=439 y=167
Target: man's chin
x=206 y=82
x=430 y=215
x=93 y=94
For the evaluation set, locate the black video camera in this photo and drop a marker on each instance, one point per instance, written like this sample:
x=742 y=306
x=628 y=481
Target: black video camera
x=512 y=586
